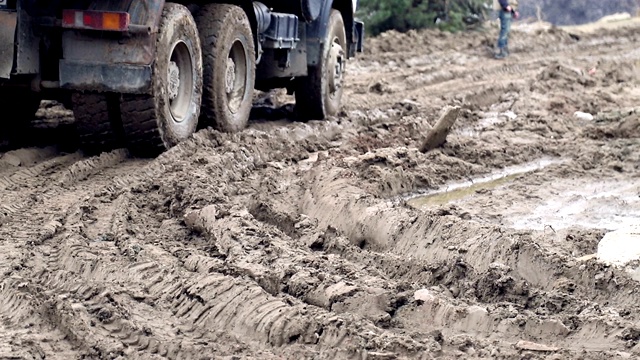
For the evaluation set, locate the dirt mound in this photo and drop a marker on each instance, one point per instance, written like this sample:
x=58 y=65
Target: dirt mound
x=619 y=124
x=425 y=41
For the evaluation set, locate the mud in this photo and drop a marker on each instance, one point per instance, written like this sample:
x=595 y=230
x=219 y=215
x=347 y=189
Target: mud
x=296 y=240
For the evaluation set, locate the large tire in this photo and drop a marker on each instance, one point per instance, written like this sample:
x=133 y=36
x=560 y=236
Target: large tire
x=229 y=63
x=154 y=123
x=319 y=94
x=19 y=108
x=98 y=123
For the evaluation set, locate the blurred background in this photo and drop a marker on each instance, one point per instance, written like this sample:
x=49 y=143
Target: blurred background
x=460 y=15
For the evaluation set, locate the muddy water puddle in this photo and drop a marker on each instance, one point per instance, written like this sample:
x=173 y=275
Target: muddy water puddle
x=532 y=196
x=602 y=204
x=457 y=191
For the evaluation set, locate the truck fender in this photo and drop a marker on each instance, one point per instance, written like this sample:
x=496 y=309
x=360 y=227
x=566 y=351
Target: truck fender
x=317 y=29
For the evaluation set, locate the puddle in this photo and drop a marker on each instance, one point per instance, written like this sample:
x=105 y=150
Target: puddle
x=458 y=191
x=621 y=247
x=542 y=199
x=605 y=204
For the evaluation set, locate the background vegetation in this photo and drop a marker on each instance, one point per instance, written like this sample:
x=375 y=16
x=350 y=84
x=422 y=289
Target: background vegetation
x=575 y=12
x=404 y=15
x=458 y=15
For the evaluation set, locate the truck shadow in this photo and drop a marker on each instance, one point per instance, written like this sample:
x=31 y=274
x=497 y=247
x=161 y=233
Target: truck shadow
x=63 y=136
x=54 y=126
x=266 y=113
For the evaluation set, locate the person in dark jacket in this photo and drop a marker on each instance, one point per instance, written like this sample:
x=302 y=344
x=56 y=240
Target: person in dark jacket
x=508 y=10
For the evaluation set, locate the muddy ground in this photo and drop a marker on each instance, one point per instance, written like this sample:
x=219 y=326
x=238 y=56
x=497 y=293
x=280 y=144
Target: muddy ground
x=307 y=241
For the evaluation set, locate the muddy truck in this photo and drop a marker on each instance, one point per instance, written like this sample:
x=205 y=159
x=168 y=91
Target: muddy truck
x=146 y=74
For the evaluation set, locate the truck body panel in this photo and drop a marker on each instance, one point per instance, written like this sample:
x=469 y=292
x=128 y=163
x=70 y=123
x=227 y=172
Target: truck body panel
x=88 y=59
x=118 y=78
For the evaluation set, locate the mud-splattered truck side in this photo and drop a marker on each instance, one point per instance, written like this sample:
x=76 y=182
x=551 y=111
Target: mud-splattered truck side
x=145 y=73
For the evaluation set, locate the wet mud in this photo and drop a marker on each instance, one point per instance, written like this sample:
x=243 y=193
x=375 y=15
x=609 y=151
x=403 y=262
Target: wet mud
x=296 y=240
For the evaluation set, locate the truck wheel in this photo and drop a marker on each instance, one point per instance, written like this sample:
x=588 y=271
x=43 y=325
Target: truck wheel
x=318 y=94
x=229 y=63
x=156 y=122
x=97 y=121
x=19 y=107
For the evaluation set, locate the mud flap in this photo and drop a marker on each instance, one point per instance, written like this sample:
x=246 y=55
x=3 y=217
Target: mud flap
x=8 y=22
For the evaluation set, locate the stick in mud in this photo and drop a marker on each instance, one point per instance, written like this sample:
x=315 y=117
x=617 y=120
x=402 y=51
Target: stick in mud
x=438 y=134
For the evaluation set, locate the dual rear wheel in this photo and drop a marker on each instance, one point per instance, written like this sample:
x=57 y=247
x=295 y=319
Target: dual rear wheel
x=170 y=113
x=204 y=73
x=149 y=124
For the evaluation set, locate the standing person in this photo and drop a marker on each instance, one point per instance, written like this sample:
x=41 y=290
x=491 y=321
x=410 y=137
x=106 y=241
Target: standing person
x=508 y=11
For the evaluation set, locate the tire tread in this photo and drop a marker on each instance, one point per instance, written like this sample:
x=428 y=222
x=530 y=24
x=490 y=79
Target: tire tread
x=143 y=115
x=212 y=20
x=309 y=92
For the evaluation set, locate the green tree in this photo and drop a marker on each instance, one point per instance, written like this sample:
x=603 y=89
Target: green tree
x=404 y=15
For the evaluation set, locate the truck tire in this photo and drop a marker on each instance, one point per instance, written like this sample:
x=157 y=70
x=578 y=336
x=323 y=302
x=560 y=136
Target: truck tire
x=97 y=120
x=319 y=94
x=19 y=108
x=156 y=122
x=229 y=64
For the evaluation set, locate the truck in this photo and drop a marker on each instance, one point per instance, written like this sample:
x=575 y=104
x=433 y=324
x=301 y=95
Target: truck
x=146 y=74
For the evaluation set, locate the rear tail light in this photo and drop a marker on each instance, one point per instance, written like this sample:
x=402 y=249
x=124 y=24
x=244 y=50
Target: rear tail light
x=96 y=20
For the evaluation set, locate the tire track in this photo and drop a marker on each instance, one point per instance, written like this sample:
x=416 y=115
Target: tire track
x=126 y=318
x=210 y=300
x=485 y=315
x=59 y=189
x=379 y=228
x=319 y=283
x=19 y=309
x=75 y=262
x=52 y=199
x=203 y=301
x=81 y=170
x=13 y=304
x=192 y=255
x=28 y=177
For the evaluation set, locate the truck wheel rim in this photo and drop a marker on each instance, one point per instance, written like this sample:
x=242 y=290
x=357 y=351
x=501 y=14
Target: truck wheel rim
x=180 y=81
x=236 y=75
x=335 y=67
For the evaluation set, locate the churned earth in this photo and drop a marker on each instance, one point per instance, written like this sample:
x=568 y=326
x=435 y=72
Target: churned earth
x=340 y=239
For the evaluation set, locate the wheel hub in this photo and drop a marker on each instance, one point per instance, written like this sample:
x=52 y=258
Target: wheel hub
x=174 y=80
x=236 y=77
x=230 y=75
x=336 y=66
x=180 y=82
